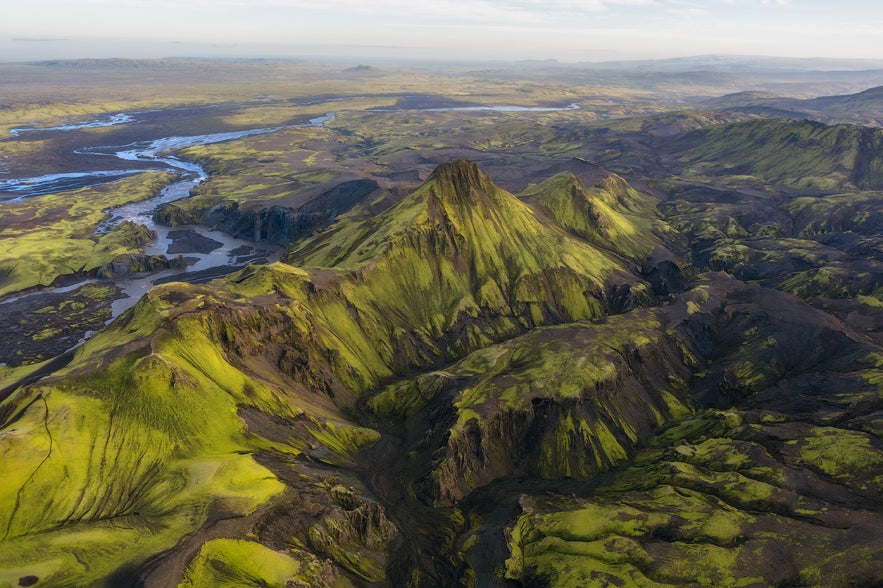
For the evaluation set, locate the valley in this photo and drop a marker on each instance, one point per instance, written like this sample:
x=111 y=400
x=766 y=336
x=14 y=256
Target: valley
x=502 y=326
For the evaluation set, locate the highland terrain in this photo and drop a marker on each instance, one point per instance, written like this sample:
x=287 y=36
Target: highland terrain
x=278 y=323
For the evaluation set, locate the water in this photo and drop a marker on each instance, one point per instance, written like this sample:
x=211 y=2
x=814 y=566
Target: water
x=52 y=183
x=146 y=151
x=484 y=109
x=190 y=176
x=110 y=120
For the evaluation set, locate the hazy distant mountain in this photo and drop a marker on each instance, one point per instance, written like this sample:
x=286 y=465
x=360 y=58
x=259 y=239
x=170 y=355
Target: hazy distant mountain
x=864 y=107
x=740 y=63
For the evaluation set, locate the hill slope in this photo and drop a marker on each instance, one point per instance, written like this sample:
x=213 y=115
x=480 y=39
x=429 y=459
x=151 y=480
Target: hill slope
x=864 y=107
x=185 y=396
x=453 y=391
x=801 y=154
x=610 y=214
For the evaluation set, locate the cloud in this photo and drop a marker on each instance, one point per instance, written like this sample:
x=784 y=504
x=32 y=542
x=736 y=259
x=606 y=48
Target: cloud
x=747 y=3
x=689 y=12
x=39 y=40
x=398 y=7
x=524 y=13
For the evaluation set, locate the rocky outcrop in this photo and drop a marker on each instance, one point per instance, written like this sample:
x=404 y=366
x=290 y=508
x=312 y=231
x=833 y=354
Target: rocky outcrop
x=138 y=263
x=271 y=224
x=559 y=402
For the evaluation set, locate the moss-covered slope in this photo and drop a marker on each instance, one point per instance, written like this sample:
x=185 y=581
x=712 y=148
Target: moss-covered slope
x=802 y=154
x=566 y=401
x=453 y=267
x=130 y=452
x=609 y=214
x=779 y=490
x=195 y=405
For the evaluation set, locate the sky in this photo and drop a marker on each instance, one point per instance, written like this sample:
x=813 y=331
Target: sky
x=567 y=30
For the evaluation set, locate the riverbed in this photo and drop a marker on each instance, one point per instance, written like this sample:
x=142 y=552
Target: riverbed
x=208 y=253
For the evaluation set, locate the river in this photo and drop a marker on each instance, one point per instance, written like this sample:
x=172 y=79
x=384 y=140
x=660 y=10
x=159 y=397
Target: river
x=228 y=253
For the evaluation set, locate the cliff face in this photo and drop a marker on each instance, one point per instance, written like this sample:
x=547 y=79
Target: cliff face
x=559 y=402
x=271 y=224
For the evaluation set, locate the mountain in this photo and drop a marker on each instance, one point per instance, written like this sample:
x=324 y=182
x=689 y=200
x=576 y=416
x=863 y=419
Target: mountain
x=460 y=247
x=800 y=154
x=609 y=214
x=180 y=412
x=744 y=63
x=864 y=107
x=465 y=387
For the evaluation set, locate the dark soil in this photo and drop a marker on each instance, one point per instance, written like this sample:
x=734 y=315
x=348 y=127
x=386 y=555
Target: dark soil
x=64 y=319
x=187 y=241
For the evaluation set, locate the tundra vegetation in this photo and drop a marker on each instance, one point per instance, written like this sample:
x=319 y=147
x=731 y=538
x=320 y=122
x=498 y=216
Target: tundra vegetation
x=636 y=343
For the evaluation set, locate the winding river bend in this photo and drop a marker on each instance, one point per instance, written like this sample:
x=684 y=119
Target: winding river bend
x=229 y=252
x=224 y=253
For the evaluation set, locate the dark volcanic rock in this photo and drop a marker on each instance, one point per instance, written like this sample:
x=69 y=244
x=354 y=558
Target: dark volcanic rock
x=278 y=224
x=137 y=264
x=185 y=241
x=38 y=327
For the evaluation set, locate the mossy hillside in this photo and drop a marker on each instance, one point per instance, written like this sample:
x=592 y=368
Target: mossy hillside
x=656 y=522
x=464 y=205
x=357 y=537
x=236 y=562
x=149 y=442
x=803 y=267
x=241 y=562
x=766 y=258
x=118 y=488
x=853 y=458
x=460 y=249
x=285 y=417
x=610 y=214
x=802 y=154
x=859 y=211
x=265 y=320
x=699 y=215
x=568 y=401
x=821 y=248
x=601 y=543
x=44 y=237
x=12 y=375
x=718 y=498
x=274 y=279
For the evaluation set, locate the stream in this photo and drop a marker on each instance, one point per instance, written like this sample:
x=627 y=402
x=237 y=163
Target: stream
x=227 y=254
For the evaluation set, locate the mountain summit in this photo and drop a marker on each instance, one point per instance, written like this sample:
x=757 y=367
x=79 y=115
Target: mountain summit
x=463 y=180
x=461 y=238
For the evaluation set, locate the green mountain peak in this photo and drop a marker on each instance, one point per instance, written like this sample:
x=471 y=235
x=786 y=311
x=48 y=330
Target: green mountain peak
x=610 y=214
x=458 y=204
x=461 y=181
